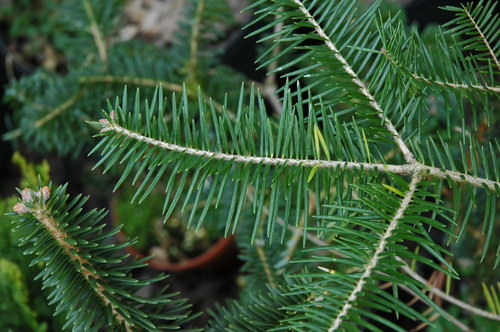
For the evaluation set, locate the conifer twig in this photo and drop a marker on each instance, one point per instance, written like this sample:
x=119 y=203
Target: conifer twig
x=294 y=229
x=405 y=203
x=408 y=155
x=405 y=169
x=149 y=82
x=483 y=38
x=420 y=78
x=130 y=80
x=447 y=297
x=193 y=43
x=59 y=109
x=50 y=115
x=322 y=243
x=96 y=33
x=40 y=212
x=449 y=316
x=259 y=247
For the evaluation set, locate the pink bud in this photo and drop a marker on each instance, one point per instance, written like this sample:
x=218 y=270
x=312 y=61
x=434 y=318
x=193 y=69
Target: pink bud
x=112 y=114
x=45 y=193
x=26 y=195
x=20 y=208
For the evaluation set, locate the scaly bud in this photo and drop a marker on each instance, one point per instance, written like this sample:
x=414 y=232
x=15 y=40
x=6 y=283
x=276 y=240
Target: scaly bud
x=45 y=191
x=105 y=125
x=26 y=195
x=20 y=208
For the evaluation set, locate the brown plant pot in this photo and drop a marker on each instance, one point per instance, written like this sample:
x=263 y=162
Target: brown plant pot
x=222 y=254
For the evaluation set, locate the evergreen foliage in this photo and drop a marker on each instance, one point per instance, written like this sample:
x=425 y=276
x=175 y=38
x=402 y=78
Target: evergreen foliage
x=85 y=272
x=52 y=107
x=29 y=309
x=329 y=200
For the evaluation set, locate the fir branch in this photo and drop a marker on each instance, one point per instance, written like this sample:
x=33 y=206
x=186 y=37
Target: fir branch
x=345 y=296
x=406 y=269
x=192 y=64
x=483 y=38
x=297 y=234
x=459 y=86
x=141 y=81
x=447 y=297
x=254 y=311
x=461 y=177
x=376 y=255
x=40 y=212
x=96 y=33
x=296 y=230
x=259 y=247
x=494 y=89
x=51 y=114
x=405 y=169
x=85 y=271
x=148 y=82
x=60 y=109
x=408 y=155
x=448 y=316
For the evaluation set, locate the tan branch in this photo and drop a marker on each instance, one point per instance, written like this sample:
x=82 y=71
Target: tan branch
x=408 y=155
x=96 y=33
x=149 y=82
x=41 y=213
x=259 y=247
x=130 y=80
x=485 y=41
x=406 y=169
x=447 y=297
x=193 y=43
x=459 y=86
x=59 y=109
x=405 y=203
